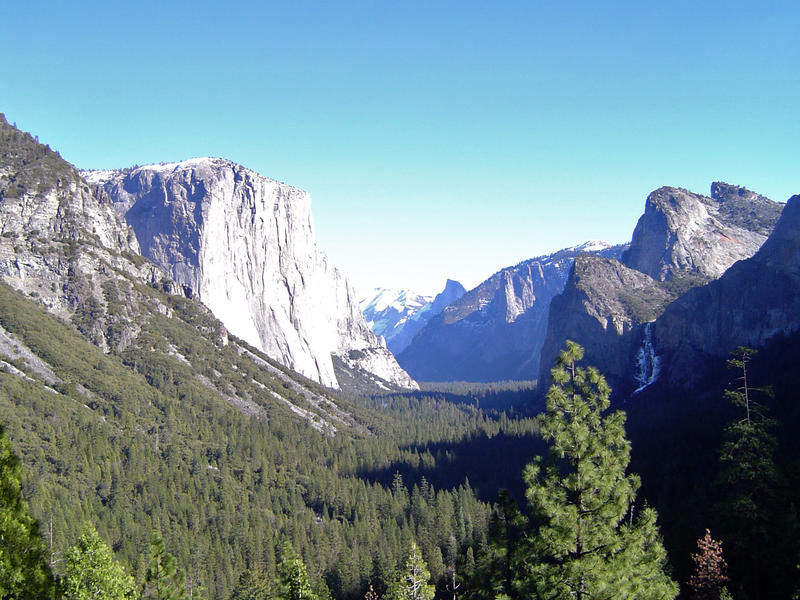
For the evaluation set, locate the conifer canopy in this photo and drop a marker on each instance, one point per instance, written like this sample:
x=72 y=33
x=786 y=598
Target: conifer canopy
x=587 y=543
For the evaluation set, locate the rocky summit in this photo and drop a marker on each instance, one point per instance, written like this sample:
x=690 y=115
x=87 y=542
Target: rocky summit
x=683 y=240
x=686 y=234
x=753 y=301
x=244 y=245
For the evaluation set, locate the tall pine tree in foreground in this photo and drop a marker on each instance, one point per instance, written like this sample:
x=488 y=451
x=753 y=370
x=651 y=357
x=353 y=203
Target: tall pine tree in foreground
x=24 y=572
x=587 y=543
x=755 y=519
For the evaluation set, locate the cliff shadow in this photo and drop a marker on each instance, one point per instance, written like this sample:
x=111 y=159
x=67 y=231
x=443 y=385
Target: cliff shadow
x=488 y=462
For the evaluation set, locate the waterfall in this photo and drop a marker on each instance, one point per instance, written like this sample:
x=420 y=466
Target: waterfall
x=647 y=363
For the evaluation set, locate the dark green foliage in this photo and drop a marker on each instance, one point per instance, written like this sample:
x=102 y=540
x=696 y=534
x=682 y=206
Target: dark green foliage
x=677 y=435
x=164 y=580
x=24 y=572
x=748 y=512
x=253 y=584
x=137 y=442
x=586 y=543
x=503 y=560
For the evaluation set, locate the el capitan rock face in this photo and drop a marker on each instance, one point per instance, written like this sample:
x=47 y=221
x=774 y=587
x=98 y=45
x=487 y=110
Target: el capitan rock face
x=65 y=247
x=245 y=246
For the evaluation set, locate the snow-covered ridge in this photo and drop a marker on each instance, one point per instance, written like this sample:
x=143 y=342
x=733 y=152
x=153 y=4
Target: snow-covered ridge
x=399 y=300
x=397 y=315
x=98 y=176
x=102 y=176
x=591 y=246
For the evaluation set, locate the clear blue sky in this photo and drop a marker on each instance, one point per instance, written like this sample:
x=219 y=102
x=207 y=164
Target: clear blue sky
x=438 y=139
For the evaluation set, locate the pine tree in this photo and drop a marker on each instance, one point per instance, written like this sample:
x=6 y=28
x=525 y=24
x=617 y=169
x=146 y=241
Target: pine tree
x=164 y=580
x=253 y=584
x=293 y=576
x=91 y=571
x=749 y=480
x=506 y=528
x=410 y=582
x=710 y=570
x=586 y=544
x=24 y=572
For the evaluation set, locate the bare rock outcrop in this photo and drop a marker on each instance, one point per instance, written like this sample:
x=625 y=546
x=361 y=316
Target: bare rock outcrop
x=245 y=246
x=683 y=240
x=496 y=330
x=755 y=300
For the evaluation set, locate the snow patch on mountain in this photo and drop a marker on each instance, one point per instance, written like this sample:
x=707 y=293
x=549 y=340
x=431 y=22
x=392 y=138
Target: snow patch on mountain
x=397 y=315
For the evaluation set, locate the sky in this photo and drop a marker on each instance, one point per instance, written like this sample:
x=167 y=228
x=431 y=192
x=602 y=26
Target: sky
x=437 y=139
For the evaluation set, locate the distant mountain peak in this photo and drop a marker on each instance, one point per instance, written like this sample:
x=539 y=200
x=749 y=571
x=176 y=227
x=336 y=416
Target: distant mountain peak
x=397 y=315
x=496 y=330
x=592 y=246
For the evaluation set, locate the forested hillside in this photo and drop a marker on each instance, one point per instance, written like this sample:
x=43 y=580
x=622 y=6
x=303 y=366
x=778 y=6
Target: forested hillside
x=137 y=443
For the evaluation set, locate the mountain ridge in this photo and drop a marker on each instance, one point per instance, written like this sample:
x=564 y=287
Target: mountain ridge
x=397 y=315
x=495 y=330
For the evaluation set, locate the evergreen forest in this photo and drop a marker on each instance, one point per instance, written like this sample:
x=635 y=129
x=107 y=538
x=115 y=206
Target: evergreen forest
x=135 y=478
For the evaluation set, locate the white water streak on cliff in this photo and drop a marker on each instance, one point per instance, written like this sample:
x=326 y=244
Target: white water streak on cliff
x=647 y=362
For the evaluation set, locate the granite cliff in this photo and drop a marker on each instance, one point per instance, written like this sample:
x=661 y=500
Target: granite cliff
x=683 y=234
x=683 y=240
x=244 y=245
x=65 y=247
x=495 y=331
x=753 y=301
x=62 y=242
